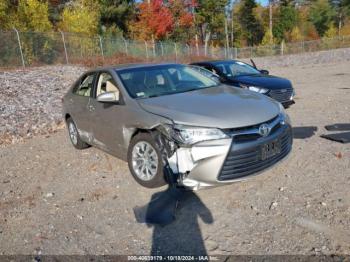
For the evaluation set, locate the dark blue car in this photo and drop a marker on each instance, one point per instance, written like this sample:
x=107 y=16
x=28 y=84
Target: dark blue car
x=240 y=74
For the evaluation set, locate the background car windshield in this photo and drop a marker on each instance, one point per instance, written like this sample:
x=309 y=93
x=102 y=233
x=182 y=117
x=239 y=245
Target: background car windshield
x=236 y=68
x=162 y=80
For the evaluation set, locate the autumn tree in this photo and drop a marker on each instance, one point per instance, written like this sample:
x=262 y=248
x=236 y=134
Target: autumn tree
x=154 y=20
x=183 y=18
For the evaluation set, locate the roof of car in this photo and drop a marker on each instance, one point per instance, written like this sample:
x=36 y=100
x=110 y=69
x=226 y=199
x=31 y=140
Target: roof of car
x=213 y=61
x=130 y=66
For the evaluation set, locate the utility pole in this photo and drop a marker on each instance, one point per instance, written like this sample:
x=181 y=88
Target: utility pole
x=270 y=20
x=339 y=23
x=152 y=36
x=226 y=14
x=226 y=33
x=232 y=40
x=195 y=28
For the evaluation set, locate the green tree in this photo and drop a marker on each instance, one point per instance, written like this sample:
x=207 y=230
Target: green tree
x=295 y=35
x=321 y=15
x=331 y=32
x=4 y=18
x=252 y=28
x=210 y=18
x=55 y=10
x=32 y=15
x=115 y=15
x=286 y=20
x=82 y=17
x=267 y=38
x=342 y=11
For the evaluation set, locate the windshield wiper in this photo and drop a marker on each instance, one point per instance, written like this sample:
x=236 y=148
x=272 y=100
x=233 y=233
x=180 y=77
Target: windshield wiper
x=150 y=96
x=248 y=74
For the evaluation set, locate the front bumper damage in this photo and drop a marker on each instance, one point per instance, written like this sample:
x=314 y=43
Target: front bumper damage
x=201 y=165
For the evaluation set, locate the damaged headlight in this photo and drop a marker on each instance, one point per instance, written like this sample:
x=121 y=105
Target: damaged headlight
x=257 y=89
x=190 y=134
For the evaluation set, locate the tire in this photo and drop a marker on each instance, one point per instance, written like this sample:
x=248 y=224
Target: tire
x=75 y=140
x=152 y=177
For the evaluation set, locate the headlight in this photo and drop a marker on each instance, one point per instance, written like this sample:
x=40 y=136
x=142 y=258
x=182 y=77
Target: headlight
x=257 y=89
x=293 y=95
x=190 y=134
x=283 y=115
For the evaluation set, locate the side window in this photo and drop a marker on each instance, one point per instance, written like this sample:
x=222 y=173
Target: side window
x=105 y=84
x=85 y=87
x=222 y=69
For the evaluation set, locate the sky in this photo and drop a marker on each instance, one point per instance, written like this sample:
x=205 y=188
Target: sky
x=263 y=2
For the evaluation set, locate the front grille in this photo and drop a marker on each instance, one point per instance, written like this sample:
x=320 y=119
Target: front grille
x=250 y=133
x=248 y=161
x=281 y=95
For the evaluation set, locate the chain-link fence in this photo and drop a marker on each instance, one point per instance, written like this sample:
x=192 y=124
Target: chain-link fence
x=34 y=48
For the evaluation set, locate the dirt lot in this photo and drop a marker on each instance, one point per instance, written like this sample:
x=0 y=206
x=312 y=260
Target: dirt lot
x=57 y=200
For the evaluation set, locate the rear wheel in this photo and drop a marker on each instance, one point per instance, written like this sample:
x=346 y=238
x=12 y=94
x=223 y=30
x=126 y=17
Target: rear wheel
x=145 y=162
x=74 y=135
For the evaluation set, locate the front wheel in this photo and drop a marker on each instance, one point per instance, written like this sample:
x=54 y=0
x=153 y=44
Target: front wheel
x=145 y=162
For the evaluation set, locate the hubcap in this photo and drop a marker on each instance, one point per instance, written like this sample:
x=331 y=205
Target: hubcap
x=73 y=133
x=144 y=161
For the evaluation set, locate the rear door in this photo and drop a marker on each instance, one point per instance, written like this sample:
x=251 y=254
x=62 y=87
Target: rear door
x=82 y=93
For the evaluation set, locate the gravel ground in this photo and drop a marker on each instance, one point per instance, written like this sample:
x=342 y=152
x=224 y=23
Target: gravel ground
x=57 y=200
x=30 y=101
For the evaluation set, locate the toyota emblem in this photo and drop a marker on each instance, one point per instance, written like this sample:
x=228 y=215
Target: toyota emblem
x=264 y=130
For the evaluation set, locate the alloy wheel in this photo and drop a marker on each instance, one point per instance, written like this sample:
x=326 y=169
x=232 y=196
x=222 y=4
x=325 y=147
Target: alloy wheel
x=144 y=161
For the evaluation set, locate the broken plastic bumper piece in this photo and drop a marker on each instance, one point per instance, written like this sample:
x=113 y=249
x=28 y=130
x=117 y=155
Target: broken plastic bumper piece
x=228 y=160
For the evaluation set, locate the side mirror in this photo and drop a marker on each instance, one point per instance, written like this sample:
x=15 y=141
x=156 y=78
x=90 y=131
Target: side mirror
x=264 y=72
x=108 y=97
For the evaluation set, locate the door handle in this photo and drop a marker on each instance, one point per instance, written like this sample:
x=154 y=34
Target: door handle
x=91 y=108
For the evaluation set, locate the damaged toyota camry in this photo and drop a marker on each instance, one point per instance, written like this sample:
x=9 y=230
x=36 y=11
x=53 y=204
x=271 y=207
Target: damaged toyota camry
x=174 y=125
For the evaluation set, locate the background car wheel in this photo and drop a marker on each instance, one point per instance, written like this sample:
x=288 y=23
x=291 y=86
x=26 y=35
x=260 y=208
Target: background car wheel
x=145 y=163
x=74 y=135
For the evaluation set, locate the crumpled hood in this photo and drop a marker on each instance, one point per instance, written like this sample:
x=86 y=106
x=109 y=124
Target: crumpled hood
x=221 y=107
x=267 y=81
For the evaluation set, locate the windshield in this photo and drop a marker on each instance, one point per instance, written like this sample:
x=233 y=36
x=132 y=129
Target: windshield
x=162 y=80
x=236 y=68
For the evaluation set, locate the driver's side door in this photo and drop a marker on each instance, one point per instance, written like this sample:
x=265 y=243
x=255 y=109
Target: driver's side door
x=105 y=117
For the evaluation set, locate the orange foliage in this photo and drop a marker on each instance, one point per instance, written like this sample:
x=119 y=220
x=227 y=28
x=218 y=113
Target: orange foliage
x=154 y=19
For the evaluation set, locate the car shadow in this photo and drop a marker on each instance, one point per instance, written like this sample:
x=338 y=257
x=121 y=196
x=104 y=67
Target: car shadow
x=302 y=132
x=181 y=236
